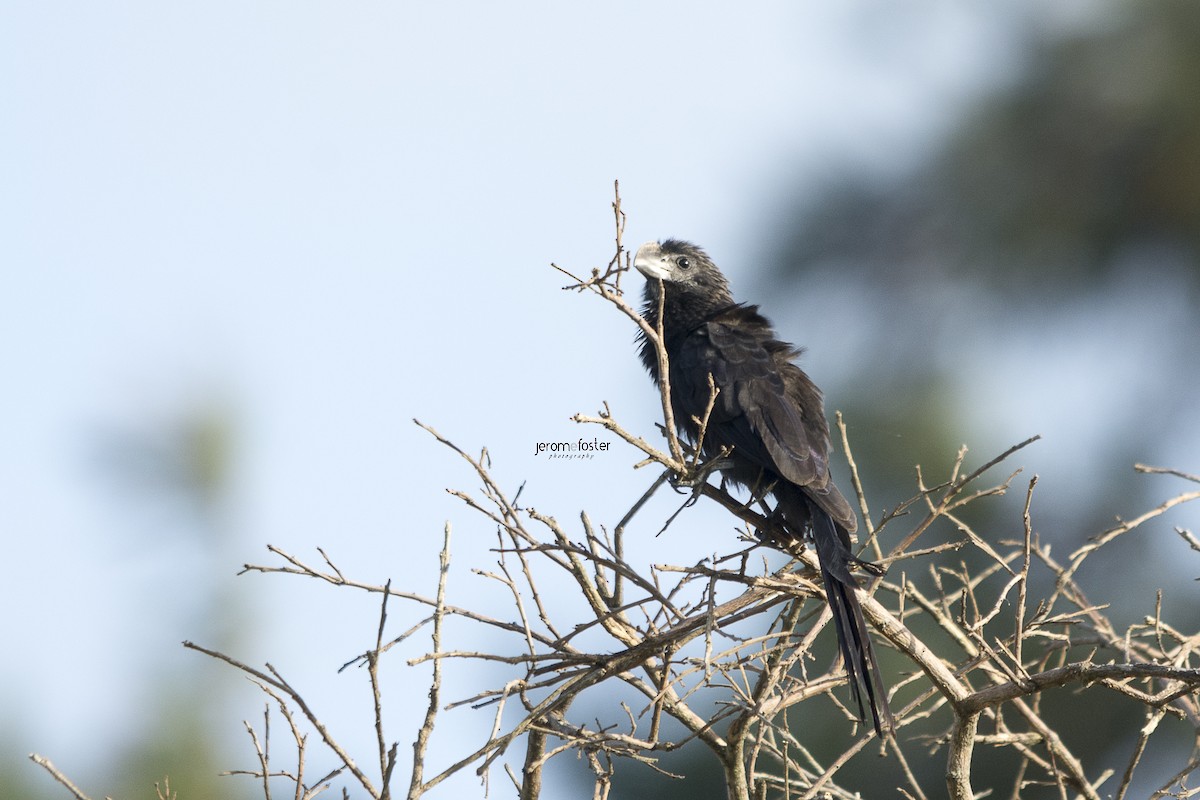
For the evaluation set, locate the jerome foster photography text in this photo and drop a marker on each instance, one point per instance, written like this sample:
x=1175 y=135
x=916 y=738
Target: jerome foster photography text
x=582 y=448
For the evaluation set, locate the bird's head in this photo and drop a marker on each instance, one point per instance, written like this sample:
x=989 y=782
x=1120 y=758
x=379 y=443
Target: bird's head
x=684 y=269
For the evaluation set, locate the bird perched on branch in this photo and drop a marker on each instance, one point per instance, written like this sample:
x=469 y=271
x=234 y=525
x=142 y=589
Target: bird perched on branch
x=770 y=417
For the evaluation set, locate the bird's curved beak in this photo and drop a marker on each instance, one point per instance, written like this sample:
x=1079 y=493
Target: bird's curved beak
x=651 y=263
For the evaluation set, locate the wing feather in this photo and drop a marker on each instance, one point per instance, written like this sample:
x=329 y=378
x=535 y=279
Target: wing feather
x=772 y=418
x=757 y=411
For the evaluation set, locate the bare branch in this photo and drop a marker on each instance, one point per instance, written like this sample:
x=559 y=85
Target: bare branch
x=62 y=779
x=420 y=746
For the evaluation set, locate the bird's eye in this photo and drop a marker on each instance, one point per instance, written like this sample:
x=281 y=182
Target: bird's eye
x=684 y=263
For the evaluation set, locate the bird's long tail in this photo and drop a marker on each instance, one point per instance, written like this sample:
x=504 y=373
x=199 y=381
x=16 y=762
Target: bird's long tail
x=833 y=551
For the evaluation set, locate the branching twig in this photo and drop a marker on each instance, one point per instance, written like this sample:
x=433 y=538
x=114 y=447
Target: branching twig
x=720 y=650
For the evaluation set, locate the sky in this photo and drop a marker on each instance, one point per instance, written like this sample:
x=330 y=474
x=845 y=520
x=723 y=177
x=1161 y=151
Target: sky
x=325 y=220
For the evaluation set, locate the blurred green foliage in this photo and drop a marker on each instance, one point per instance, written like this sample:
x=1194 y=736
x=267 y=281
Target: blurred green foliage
x=1048 y=184
x=1073 y=180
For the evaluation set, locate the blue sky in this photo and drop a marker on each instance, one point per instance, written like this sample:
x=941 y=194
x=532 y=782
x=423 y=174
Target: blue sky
x=330 y=219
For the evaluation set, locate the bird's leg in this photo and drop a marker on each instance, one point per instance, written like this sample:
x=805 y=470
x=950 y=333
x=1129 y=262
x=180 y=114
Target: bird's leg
x=774 y=531
x=759 y=491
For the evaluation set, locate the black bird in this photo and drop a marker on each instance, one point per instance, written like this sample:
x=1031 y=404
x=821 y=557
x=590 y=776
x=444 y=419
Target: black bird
x=772 y=416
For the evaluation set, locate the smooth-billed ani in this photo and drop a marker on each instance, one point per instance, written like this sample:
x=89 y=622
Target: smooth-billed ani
x=772 y=416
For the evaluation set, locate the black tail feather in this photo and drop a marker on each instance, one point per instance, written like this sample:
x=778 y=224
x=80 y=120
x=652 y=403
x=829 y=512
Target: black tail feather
x=854 y=639
x=859 y=654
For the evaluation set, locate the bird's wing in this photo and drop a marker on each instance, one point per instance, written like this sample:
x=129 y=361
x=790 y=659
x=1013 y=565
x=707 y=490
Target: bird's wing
x=754 y=412
x=760 y=410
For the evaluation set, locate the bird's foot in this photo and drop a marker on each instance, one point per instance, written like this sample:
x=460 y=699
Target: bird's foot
x=774 y=532
x=697 y=476
x=695 y=480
